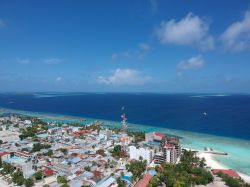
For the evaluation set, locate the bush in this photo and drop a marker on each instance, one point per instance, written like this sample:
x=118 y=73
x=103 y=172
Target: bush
x=29 y=182
x=39 y=175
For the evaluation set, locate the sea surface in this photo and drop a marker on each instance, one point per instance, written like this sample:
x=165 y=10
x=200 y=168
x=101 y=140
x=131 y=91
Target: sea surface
x=219 y=121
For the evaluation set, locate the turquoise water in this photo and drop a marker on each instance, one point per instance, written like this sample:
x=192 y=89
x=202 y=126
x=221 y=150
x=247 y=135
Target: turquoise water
x=238 y=150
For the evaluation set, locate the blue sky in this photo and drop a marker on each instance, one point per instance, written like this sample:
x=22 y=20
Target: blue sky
x=125 y=46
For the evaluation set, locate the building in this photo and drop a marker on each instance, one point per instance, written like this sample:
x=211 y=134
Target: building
x=107 y=182
x=24 y=165
x=146 y=179
x=170 y=153
x=141 y=152
x=155 y=136
x=23 y=154
x=4 y=156
x=228 y=172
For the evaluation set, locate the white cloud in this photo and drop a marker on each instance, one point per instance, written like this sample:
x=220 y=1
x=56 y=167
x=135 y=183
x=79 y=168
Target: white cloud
x=58 y=79
x=2 y=24
x=144 y=46
x=23 y=61
x=140 y=52
x=124 y=77
x=191 y=30
x=193 y=63
x=237 y=35
x=53 y=61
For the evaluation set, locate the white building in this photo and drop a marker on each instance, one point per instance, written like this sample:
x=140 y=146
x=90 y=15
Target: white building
x=170 y=153
x=145 y=153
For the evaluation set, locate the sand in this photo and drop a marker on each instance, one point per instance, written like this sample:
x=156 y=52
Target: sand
x=214 y=164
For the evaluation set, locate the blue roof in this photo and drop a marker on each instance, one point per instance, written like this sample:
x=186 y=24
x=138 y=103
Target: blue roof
x=14 y=158
x=126 y=178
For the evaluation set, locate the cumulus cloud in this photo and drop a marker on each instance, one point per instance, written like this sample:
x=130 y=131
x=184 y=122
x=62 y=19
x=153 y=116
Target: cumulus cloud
x=191 y=30
x=193 y=63
x=2 y=24
x=237 y=36
x=124 y=77
x=53 y=61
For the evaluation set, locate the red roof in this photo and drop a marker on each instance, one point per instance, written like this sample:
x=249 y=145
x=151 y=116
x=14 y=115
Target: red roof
x=168 y=146
x=144 y=182
x=48 y=172
x=4 y=153
x=23 y=152
x=160 y=134
x=97 y=173
x=85 y=131
x=79 y=172
x=229 y=172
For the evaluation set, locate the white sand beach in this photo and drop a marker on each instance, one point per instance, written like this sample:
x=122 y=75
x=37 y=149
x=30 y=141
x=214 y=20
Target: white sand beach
x=210 y=161
x=214 y=164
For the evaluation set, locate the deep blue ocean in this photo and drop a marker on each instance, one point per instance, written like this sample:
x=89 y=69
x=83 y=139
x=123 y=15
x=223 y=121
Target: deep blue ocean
x=223 y=115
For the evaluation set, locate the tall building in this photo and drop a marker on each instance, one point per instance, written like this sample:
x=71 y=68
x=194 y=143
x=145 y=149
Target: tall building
x=141 y=152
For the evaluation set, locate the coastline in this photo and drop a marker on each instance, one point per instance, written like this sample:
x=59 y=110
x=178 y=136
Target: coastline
x=238 y=149
x=215 y=164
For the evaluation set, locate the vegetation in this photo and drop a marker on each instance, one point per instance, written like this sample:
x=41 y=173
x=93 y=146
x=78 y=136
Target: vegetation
x=29 y=182
x=120 y=182
x=138 y=136
x=28 y=132
x=64 y=151
x=190 y=171
x=50 y=153
x=62 y=179
x=232 y=182
x=137 y=168
x=38 y=147
x=18 y=178
x=38 y=175
x=87 y=168
x=7 y=169
x=118 y=151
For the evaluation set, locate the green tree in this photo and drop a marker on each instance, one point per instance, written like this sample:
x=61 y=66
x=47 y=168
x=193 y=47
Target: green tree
x=64 y=151
x=50 y=153
x=87 y=168
x=29 y=182
x=18 y=178
x=137 y=168
x=39 y=175
x=61 y=179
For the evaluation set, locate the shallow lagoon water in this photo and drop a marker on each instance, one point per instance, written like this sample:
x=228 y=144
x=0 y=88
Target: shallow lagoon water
x=238 y=150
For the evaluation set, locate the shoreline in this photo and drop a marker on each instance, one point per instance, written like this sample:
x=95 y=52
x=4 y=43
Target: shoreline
x=235 y=147
x=215 y=164
x=52 y=117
